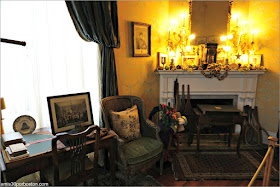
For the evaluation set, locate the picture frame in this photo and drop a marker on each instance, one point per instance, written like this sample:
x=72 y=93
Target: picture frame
x=161 y=59
x=188 y=60
x=70 y=112
x=255 y=60
x=141 y=39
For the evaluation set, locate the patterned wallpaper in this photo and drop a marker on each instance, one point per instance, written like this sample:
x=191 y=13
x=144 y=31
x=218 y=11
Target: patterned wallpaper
x=136 y=74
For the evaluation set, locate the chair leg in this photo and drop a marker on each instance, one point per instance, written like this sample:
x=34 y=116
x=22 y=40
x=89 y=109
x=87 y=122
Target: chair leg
x=161 y=163
x=126 y=176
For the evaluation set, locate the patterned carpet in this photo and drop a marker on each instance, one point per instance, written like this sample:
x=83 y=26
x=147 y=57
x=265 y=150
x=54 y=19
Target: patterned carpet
x=139 y=179
x=217 y=165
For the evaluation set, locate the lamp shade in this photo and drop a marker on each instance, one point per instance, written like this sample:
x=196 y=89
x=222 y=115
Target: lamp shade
x=3 y=106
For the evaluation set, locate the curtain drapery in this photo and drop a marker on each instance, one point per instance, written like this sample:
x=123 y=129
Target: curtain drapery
x=55 y=60
x=97 y=21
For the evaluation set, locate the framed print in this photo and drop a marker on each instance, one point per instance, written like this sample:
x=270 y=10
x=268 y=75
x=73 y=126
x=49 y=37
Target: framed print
x=255 y=61
x=141 y=39
x=161 y=59
x=70 y=112
x=188 y=60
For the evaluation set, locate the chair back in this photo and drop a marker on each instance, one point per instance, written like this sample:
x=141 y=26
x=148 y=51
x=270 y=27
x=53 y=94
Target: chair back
x=76 y=152
x=121 y=103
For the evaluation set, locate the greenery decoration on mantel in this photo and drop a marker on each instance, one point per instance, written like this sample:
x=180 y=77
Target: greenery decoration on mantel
x=215 y=70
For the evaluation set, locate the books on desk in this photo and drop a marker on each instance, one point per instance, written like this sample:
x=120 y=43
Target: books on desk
x=12 y=138
x=16 y=151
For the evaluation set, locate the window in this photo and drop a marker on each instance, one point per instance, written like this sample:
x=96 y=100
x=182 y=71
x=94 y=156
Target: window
x=55 y=61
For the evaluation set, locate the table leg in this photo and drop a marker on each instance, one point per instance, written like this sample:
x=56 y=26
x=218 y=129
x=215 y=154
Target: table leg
x=197 y=138
x=112 y=163
x=178 y=142
x=239 y=139
x=168 y=147
x=230 y=135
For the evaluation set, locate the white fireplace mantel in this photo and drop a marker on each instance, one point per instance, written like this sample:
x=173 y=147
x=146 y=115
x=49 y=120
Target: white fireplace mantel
x=239 y=85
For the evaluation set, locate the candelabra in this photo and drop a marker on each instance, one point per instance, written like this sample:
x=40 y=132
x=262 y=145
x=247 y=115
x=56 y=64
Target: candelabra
x=180 y=38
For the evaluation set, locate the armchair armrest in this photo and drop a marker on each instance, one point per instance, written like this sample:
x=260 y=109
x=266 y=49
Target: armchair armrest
x=120 y=142
x=150 y=129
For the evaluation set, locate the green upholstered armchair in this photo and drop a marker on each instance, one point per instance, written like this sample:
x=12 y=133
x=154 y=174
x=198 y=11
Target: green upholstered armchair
x=142 y=152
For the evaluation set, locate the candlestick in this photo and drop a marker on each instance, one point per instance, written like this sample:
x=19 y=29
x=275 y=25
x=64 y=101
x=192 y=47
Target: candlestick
x=239 y=37
x=169 y=34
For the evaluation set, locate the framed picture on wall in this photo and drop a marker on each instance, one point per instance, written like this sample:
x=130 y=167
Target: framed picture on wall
x=141 y=39
x=70 y=112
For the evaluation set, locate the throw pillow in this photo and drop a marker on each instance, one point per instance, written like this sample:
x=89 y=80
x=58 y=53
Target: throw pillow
x=126 y=124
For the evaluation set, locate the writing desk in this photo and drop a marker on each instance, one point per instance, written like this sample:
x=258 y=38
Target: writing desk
x=13 y=170
x=219 y=115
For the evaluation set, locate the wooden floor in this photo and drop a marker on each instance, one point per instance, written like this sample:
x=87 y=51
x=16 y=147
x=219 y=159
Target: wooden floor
x=167 y=179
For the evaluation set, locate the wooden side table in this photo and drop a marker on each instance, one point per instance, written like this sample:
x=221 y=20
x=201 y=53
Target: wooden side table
x=169 y=145
x=219 y=115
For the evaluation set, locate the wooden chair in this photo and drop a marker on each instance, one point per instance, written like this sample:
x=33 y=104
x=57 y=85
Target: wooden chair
x=71 y=167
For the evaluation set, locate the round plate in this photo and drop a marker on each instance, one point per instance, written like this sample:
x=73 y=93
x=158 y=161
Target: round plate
x=24 y=124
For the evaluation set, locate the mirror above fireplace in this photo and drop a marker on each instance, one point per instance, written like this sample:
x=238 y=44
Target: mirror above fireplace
x=209 y=20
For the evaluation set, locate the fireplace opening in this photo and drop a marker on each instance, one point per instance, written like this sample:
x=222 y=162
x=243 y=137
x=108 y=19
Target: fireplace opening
x=213 y=100
x=195 y=102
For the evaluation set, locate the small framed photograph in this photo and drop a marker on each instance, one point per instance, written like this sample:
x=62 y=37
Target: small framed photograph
x=141 y=39
x=161 y=60
x=188 y=60
x=70 y=112
x=255 y=61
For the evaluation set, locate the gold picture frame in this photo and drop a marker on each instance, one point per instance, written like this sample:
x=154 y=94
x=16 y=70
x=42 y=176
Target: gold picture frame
x=161 y=57
x=255 y=61
x=188 y=60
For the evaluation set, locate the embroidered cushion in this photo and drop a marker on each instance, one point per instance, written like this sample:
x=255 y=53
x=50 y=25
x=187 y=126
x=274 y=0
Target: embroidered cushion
x=126 y=124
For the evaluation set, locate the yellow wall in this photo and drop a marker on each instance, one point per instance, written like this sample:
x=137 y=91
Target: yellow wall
x=136 y=75
x=265 y=17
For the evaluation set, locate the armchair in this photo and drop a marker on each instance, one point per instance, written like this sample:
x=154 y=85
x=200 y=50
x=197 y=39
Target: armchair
x=139 y=153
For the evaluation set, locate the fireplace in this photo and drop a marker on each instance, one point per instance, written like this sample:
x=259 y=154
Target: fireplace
x=212 y=100
x=238 y=89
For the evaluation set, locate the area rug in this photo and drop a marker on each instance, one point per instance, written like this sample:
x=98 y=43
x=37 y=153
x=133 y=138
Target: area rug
x=139 y=179
x=220 y=164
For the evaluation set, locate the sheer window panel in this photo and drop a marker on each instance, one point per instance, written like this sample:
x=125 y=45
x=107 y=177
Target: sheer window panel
x=56 y=60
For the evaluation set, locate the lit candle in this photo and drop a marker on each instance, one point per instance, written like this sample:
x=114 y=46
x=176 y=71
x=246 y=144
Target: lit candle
x=252 y=37
x=239 y=37
x=169 y=33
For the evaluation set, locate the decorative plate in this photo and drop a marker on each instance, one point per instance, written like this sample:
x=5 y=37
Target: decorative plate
x=24 y=124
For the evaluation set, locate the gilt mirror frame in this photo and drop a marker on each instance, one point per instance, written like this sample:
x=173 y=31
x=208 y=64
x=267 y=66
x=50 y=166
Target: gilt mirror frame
x=228 y=18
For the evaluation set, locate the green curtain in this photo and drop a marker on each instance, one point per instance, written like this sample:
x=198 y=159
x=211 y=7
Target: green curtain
x=97 y=21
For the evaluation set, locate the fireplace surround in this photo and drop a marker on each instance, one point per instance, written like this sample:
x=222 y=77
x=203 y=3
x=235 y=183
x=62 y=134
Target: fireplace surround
x=241 y=87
